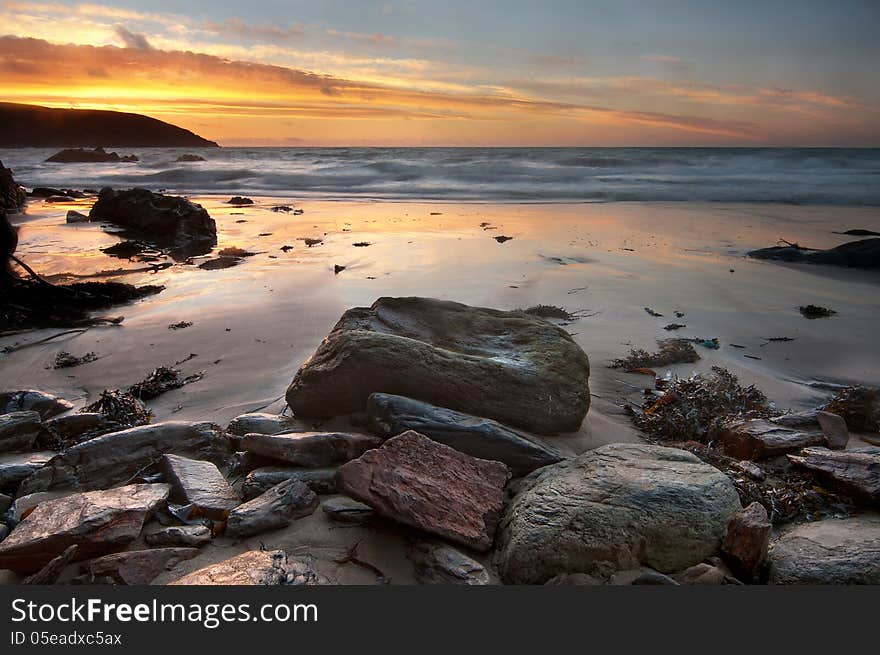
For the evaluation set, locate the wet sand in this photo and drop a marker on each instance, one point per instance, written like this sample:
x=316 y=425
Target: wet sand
x=255 y=323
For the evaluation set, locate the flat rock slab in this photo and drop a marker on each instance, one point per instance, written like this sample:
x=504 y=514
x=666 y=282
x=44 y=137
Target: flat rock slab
x=311 y=449
x=346 y=510
x=252 y=568
x=199 y=483
x=18 y=430
x=508 y=366
x=419 y=482
x=15 y=467
x=261 y=423
x=615 y=508
x=758 y=439
x=97 y=522
x=831 y=551
x=115 y=457
x=134 y=567
x=479 y=437
x=855 y=472
x=321 y=480
x=45 y=404
x=437 y=563
x=276 y=508
x=194 y=536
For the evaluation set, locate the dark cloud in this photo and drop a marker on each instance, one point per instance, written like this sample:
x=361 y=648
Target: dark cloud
x=131 y=39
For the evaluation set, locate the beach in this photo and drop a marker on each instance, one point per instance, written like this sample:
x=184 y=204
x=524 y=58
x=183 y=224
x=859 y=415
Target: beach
x=254 y=324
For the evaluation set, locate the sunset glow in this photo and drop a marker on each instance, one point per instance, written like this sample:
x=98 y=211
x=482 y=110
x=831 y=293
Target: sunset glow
x=296 y=75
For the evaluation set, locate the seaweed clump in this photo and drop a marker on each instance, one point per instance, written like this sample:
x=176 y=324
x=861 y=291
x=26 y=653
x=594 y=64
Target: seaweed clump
x=550 y=311
x=671 y=351
x=65 y=360
x=695 y=408
x=159 y=381
x=120 y=408
x=859 y=406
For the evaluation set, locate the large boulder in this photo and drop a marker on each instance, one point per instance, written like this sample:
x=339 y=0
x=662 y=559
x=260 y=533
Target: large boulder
x=166 y=220
x=115 y=457
x=424 y=484
x=97 y=522
x=480 y=437
x=509 y=366
x=252 y=568
x=618 y=507
x=830 y=551
x=12 y=196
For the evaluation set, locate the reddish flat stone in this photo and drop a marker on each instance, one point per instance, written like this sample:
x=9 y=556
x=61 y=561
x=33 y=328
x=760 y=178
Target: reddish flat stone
x=97 y=521
x=759 y=439
x=253 y=568
x=748 y=538
x=136 y=566
x=855 y=472
x=429 y=486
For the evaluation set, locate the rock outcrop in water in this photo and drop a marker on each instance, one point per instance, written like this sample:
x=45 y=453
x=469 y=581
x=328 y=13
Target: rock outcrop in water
x=507 y=366
x=864 y=253
x=96 y=156
x=166 y=220
x=12 y=196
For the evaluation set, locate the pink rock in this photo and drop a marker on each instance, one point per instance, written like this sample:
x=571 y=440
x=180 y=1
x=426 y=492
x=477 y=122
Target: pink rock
x=835 y=430
x=748 y=538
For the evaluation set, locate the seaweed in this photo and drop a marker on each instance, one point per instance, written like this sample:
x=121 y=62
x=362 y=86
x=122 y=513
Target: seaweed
x=65 y=360
x=859 y=406
x=162 y=379
x=671 y=351
x=695 y=408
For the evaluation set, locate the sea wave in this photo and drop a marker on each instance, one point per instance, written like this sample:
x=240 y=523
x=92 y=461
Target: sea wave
x=834 y=176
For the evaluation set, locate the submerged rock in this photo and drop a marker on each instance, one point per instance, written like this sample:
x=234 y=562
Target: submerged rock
x=74 y=216
x=831 y=551
x=19 y=430
x=864 y=253
x=115 y=457
x=421 y=483
x=252 y=568
x=276 y=508
x=83 y=156
x=508 y=366
x=188 y=158
x=96 y=521
x=615 y=508
x=310 y=449
x=479 y=437
x=166 y=220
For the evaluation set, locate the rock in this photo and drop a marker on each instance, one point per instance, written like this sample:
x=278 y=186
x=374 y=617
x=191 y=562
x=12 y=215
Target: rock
x=437 y=563
x=276 y=508
x=82 y=156
x=167 y=220
x=479 y=437
x=239 y=200
x=702 y=574
x=45 y=192
x=310 y=449
x=757 y=439
x=808 y=420
x=219 y=263
x=252 y=568
x=347 y=510
x=615 y=508
x=855 y=472
x=46 y=405
x=75 y=217
x=12 y=196
x=654 y=578
x=24 y=504
x=322 y=480
x=830 y=551
x=864 y=253
x=195 y=536
x=134 y=567
x=259 y=423
x=5 y=503
x=4 y=531
x=508 y=366
x=18 y=430
x=188 y=158
x=750 y=469
x=199 y=483
x=115 y=457
x=97 y=521
x=67 y=430
x=747 y=540
x=419 y=482
x=834 y=429
x=15 y=467
x=49 y=574
x=572 y=580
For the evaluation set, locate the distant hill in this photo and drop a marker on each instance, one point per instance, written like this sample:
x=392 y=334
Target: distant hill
x=23 y=126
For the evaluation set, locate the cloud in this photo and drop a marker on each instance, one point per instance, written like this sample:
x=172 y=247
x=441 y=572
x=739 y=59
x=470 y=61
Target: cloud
x=667 y=61
x=132 y=39
x=271 y=33
x=556 y=61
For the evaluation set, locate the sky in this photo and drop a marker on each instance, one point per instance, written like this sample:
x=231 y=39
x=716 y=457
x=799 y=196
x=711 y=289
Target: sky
x=460 y=73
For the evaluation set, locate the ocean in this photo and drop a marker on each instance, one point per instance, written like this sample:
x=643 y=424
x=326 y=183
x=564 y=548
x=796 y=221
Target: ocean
x=826 y=176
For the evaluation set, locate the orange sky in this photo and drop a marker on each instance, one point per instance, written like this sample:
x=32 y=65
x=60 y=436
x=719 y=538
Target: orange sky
x=344 y=93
